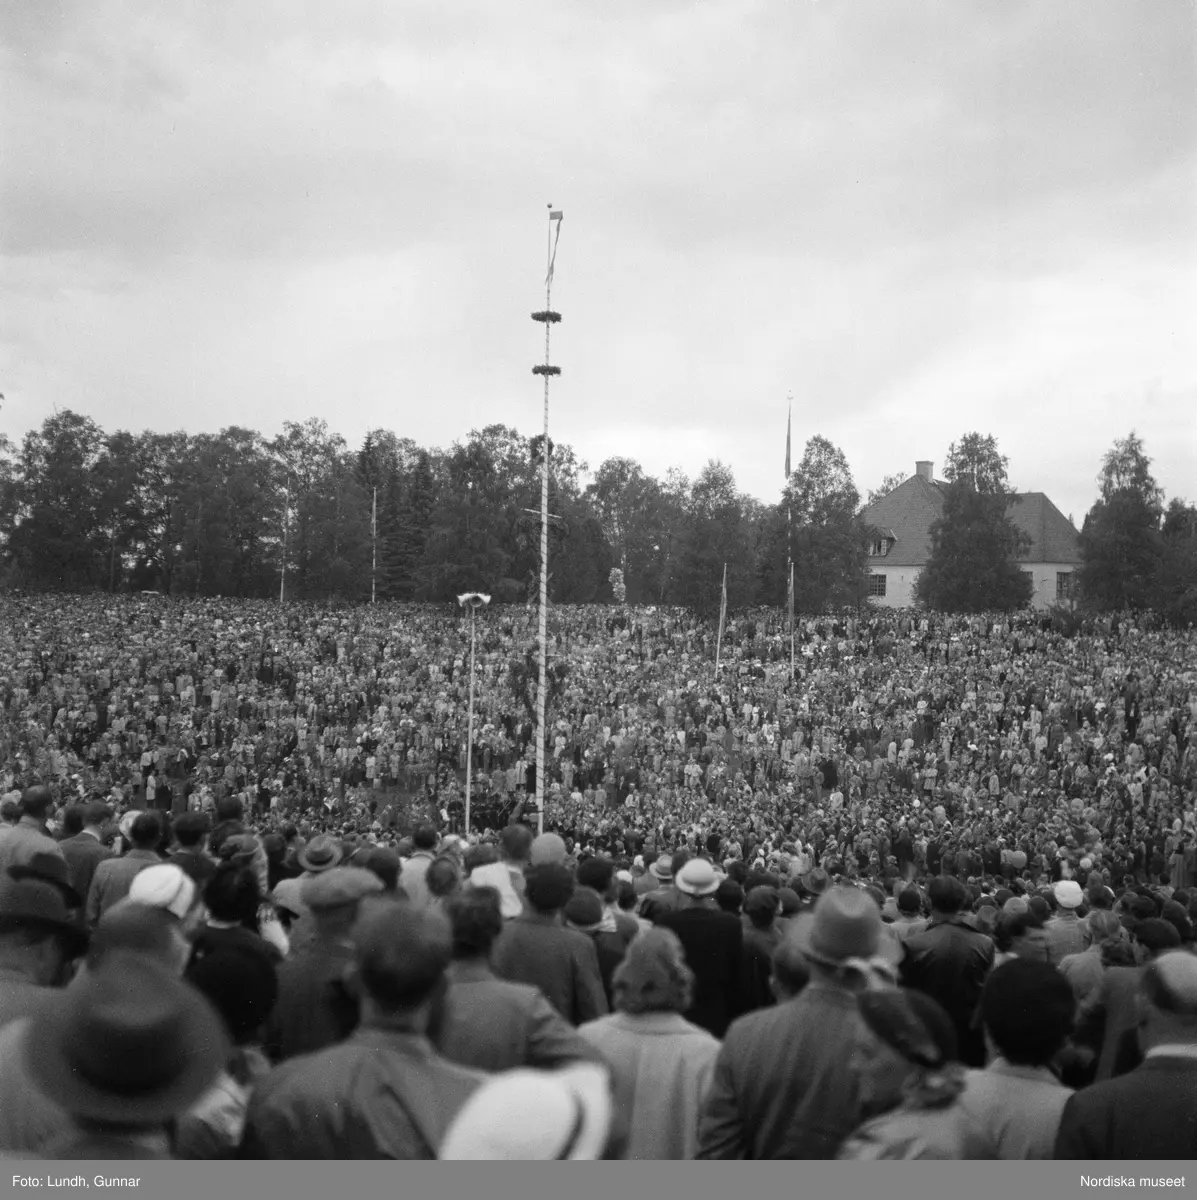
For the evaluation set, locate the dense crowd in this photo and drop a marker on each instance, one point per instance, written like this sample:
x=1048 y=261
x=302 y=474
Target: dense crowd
x=905 y=888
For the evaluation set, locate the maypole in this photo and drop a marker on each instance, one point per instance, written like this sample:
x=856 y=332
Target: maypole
x=790 y=534
x=548 y=318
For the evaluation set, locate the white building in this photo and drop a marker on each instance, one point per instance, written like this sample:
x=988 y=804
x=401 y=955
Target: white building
x=904 y=518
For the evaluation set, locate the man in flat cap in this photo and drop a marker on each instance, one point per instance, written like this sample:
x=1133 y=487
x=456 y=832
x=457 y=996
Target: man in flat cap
x=314 y=1010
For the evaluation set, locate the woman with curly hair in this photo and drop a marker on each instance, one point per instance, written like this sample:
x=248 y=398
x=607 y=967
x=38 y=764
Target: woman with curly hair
x=661 y=1064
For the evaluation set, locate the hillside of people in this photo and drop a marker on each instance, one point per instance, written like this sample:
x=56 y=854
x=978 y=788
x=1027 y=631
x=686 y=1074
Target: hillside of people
x=927 y=845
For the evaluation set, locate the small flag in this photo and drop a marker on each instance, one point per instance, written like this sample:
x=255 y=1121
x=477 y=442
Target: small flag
x=555 y=215
x=789 y=417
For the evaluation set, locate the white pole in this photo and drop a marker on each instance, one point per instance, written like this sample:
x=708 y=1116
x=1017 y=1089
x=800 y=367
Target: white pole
x=722 y=615
x=791 y=620
x=282 y=582
x=470 y=732
x=374 y=548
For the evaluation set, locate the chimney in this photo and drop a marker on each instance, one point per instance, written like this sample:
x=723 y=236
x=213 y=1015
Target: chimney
x=924 y=470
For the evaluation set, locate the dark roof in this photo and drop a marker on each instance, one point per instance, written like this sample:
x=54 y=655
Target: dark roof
x=1053 y=539
x=907 y=513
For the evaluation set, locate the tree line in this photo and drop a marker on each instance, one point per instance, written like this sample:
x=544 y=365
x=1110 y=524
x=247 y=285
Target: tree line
x=237 y=514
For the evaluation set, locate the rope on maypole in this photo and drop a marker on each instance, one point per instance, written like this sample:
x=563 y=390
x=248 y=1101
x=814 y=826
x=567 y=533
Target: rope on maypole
x=548 y=318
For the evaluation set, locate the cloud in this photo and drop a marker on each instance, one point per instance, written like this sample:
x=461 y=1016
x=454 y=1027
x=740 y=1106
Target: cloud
x=920 y=219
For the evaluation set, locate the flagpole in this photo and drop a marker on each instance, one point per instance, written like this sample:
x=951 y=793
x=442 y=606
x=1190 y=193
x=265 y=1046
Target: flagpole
x=374 y=549
x=790 y=530
x=548 y=318
x=722 y=618
x=282 y=582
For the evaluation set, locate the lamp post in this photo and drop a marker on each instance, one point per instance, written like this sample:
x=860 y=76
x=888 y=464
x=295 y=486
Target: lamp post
x=473 y=601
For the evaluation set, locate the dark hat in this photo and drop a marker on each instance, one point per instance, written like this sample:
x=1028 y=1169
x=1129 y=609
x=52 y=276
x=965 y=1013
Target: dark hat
x=33 y=903
x=320 y=854
x=791 y=902
x=49 y=868
x=815 y=882
x=339 y=887
x=240 y=846
x=130 y=1044
x=761 y=899
x=1157 y=935
x=401 y=951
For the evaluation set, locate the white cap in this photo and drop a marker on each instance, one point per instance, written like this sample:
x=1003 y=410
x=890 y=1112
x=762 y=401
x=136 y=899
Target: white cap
x=167 y=887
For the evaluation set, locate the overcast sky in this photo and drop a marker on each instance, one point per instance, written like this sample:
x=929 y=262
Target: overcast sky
x=919 y=218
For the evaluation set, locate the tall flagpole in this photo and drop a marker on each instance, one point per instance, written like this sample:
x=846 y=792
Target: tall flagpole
x=722 y=618
x=282 y=580
x=548 y=318
x=790 y=532
x=374 y=549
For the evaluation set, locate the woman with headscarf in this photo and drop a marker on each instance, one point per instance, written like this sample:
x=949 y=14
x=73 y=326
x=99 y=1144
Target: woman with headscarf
x=912 y=1076
x=661 y=1064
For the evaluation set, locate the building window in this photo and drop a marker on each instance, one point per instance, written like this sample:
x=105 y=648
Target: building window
x=880 y=549
x=1063 y=585
x=876 y=585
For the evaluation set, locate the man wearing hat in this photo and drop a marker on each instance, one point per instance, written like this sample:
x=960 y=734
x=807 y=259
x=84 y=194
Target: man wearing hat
x=1064 y=933
x=665 y=897
x=125 y=1052
x=784 y=1085
x=39 y=939
x=384 y=1092
x=714 y=944
x=314 y=1010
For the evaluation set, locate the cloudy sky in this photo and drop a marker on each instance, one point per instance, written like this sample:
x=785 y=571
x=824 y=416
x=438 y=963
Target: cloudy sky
x=918 y=218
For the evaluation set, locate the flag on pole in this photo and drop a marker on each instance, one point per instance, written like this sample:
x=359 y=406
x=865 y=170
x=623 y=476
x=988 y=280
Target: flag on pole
x=555 y=215
x=789 y=416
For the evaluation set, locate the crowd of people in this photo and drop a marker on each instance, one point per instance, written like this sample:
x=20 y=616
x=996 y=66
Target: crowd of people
x=905 y=886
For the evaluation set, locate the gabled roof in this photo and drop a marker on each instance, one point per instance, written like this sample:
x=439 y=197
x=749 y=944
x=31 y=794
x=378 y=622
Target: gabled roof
x=907 y=513
x=1053 y=539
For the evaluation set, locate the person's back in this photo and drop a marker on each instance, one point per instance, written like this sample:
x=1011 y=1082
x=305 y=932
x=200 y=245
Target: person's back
x=385 y=1092
x=85 y=850
x=112 y=879
x=949 y=961
x=1150 y=1112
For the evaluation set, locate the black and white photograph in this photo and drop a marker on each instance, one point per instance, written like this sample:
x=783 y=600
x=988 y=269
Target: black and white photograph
x=598 y=582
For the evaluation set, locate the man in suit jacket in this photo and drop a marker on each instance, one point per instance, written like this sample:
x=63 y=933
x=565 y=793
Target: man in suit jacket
x=113 y=877
x=949 y=961
x=714 y=944
x=1150 y=1113
x=489 y=1023
x=788 y=1082
x=536 y=949
x=86 y=850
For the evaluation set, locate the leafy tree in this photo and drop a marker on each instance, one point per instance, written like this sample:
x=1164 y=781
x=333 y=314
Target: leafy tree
x=975 y=458
x=887 y=485
x=974 y=545
x=828 y=542
x=1121 y=543
x=1176 y=577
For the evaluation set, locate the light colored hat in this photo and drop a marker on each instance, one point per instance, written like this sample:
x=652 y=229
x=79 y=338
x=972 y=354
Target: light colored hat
x=846 y=924
x=697 y=878
x=560 y=1116
x=167 y=887
x=662 y=869
x=547 y=848
x=1068 y=893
